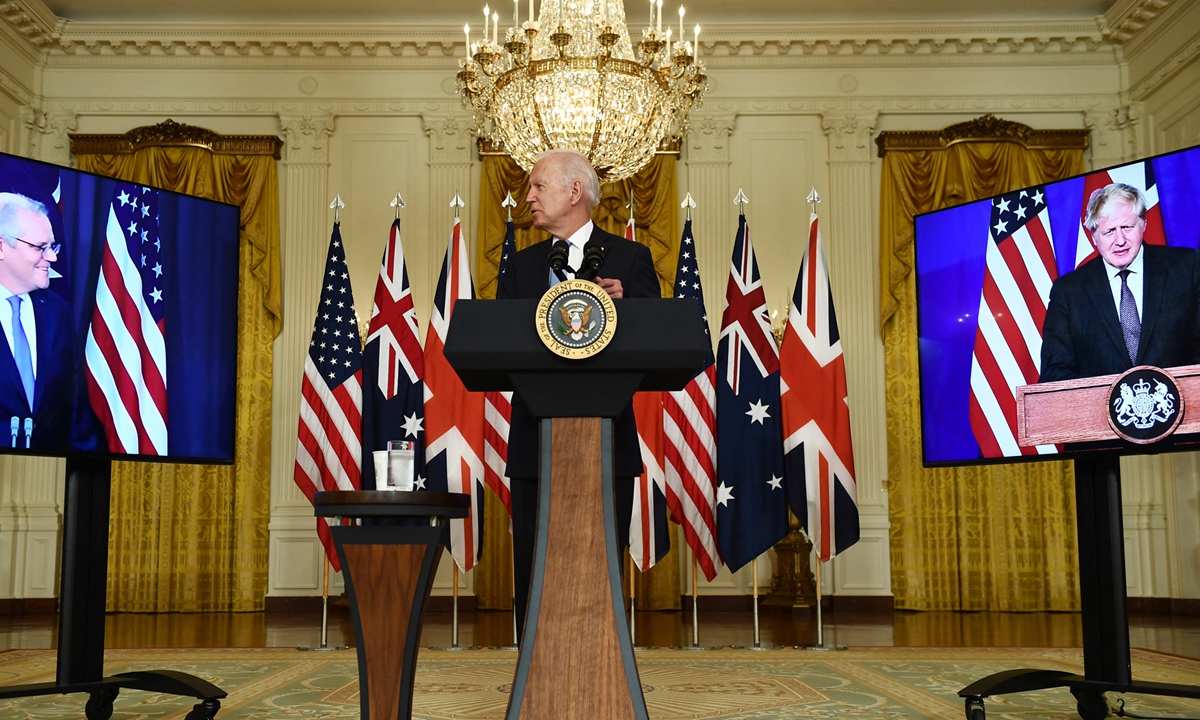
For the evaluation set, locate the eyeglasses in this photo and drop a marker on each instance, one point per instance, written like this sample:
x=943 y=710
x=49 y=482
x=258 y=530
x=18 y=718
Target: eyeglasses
x=43 y=249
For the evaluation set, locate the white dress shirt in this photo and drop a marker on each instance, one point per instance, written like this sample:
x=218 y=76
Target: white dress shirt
x=27 y=322
x=1134 y=280
x=575 y=245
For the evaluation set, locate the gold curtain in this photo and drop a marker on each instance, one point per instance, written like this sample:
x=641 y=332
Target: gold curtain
x=193 y=538
x=656 y=218
x=999 y=537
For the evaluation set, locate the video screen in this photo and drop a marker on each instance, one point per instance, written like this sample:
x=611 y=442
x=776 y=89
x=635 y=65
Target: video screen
x=1082 y=278
x=118 y=303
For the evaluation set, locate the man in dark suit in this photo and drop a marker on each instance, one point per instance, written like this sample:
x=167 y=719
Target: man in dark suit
x=37 y=359
x=1134 y=305
x=563 y=190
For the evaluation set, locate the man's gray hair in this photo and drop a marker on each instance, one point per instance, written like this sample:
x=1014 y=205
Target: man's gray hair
x=10 y=205
x=574 y=166
x=1100 y=204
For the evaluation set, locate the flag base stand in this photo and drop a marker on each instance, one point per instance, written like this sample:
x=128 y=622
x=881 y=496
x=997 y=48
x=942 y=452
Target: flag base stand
x=821 y=648
x=324 y=646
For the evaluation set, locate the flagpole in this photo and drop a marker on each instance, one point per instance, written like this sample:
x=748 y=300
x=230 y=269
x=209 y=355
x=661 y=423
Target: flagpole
x=820 y=582
x=754 y=571
x=454 y=610
x=512 y=569
x=632 y=604
x=324 y=611
x=695 y=605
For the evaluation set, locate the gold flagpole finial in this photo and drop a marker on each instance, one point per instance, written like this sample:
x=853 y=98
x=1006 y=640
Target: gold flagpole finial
x=509 y=203
x=741 y=201
x=632 y=204
x=688 y=203
x=813 y=198
x=337 y=206
x=397 y=202
x=457 y=203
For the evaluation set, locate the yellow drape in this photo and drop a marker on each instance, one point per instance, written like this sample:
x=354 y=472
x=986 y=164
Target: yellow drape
x=656 y=217
x=999 y=537
x=193 y=538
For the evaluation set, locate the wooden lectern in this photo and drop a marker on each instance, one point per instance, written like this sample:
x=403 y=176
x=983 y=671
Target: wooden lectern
x=576 y=658
x=1076 y=411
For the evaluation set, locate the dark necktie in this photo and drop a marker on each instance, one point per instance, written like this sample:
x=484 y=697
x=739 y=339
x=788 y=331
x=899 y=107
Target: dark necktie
x=21 y=352
x=1131 y=324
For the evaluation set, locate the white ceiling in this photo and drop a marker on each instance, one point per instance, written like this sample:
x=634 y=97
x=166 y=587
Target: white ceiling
x=456 y=11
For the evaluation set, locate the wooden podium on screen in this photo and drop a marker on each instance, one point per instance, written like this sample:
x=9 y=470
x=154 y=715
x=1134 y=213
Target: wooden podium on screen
x=1078 y=411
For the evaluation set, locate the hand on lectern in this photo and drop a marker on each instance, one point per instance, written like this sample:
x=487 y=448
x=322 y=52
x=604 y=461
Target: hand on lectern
x=612 y=286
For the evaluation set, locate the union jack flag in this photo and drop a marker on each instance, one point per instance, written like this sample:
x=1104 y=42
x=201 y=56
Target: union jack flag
x=329 y=447
x=818 y=453
x=751 y=500
x=1139 y=175
x=497 y=407
x=1020 y=268
x=454 y=417
x=125 y=351
x=690 y=434
x=393 y=365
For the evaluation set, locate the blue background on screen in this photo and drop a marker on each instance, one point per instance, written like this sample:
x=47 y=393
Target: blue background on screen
x=200 y=267
x=950 y=262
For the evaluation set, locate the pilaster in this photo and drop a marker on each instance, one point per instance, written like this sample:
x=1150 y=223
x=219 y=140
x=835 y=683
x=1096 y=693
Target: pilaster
x=296 y=554
x=45 y=135
x=450 y=148
x=852 y=249
x=713 y=222
x=1118 y=134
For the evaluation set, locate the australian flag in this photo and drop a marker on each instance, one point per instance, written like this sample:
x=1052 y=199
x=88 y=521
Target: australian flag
x=393 y=366
x=751 y=499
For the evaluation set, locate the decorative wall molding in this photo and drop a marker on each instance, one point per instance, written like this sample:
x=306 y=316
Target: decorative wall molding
x=1162 y=74
x=450 y=138
x=1127 y=18
x=47 y=134
x=708 y=138
x=307 y=137
x=1114 y=133
x=15 y=89
x=322 y=43
x=171 y=133
x=32 y=20
x=986 y=128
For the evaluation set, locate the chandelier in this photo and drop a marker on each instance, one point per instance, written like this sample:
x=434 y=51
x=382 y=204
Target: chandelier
x=578 y=84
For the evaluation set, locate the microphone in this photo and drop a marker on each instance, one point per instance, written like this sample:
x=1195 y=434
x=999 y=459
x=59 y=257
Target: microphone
x=15 y=425
x=558 y=259
x=28 y=432
x=593 y=258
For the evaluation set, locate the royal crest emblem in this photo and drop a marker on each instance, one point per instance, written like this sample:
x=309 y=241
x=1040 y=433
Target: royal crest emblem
x=576 y=319
x=1144 y=405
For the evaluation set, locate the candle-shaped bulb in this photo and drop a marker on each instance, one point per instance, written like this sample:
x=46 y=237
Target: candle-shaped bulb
x=658 y=24
x=651 y=12
x=495 y=26
x=696 y=45
x=516 y=13
x=532 y=17
x=681 y=11
x=467 y=32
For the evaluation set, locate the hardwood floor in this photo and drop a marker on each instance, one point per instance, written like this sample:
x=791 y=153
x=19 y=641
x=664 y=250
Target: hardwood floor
x=1179 y=635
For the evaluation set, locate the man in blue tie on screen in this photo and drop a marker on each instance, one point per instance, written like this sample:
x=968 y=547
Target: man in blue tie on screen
x=1135 y=304
x=39 y=389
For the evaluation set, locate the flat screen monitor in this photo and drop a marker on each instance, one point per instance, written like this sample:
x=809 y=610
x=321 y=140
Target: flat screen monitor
x=1023 y=288
x=118 y=303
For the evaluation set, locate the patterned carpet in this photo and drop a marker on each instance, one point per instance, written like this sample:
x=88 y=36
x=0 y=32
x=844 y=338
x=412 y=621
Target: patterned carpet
x=721 y=684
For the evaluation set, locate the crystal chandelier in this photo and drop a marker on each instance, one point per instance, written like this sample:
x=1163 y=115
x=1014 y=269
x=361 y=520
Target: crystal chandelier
x=578 y=85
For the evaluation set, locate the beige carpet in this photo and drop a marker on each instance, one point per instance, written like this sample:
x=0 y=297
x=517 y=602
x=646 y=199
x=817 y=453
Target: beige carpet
x=725 y=684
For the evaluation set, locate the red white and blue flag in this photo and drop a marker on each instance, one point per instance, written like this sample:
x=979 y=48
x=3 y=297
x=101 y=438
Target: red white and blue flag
x=393 y=366
x=690 y=434
x=818 y=454
x=126 y=351
x=1020 y=268
x=751 y=500
x=329 y=447
x=454 y=417
x=649 y=535
x=1139 y=175
x=497 y=407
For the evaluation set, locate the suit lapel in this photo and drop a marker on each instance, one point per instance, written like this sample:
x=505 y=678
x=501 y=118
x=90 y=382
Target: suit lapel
x=1152 y=296
x=541 y=267
x=1099 y=293
x=8 y=367
x=45 y=336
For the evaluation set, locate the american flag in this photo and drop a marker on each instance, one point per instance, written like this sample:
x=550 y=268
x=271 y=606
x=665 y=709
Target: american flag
x=453 y=416
x=125 y=350
x=1020 y=268
x=690 y=434
x=818 y=455
x=497 y=407
x=1139 y=175
x=393 y=365
x=649 y=536
x=329 y=446
x=751 y=500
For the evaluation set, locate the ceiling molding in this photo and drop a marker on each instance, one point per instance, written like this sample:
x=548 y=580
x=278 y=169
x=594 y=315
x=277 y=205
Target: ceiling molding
x=339 y=42
x=32 y=20
x=1127 y=18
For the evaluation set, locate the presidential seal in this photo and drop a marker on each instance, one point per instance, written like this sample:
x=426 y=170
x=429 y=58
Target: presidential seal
x=576 y=319
x=1145 y=405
